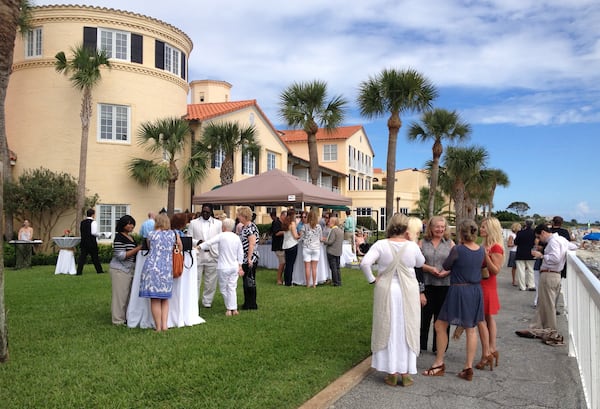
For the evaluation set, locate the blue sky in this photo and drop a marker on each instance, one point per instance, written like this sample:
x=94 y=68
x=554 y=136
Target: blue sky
x=524 y=73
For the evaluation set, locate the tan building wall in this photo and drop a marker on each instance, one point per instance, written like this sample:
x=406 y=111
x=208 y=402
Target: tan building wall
x=43 y=108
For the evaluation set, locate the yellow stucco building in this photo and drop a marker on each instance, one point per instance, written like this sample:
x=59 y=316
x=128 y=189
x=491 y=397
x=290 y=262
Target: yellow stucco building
x=149 y=80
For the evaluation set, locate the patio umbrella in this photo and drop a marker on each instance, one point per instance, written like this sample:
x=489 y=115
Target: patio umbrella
x=592 y=236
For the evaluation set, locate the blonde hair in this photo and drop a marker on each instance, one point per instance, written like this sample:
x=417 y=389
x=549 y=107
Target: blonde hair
x=245 y=212
x=431 y=224
x=515 y=227
x=312 y=218
x=414 y=227
x=397 y=225
x=162 y=222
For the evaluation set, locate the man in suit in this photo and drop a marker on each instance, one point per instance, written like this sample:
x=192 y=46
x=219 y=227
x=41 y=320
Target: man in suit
x=88 y=230
x=203 y=228
x=525 y=240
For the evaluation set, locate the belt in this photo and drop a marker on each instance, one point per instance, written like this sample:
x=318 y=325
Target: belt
x=549 y=271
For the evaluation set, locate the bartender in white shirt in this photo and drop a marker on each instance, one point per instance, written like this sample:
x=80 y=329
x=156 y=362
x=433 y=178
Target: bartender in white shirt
x=202 y=229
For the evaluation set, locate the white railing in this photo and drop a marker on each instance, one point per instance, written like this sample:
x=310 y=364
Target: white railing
x=583 y=308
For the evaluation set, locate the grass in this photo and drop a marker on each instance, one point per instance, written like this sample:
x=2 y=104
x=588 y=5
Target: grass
x=64 y=352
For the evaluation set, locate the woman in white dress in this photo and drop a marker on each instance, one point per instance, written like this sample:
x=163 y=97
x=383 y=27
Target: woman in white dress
x=396 y=303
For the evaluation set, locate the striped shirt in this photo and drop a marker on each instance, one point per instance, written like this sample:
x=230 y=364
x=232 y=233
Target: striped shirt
x=247 y=231
x=119 y=261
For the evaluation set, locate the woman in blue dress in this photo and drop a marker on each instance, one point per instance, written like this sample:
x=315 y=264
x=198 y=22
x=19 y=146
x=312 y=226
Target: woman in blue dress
x=464 y=302
x=156 y=281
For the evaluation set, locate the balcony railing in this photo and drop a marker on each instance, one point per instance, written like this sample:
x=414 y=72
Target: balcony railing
x=583 y=308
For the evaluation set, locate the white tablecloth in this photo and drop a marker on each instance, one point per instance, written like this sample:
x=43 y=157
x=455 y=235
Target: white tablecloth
x=268 y=259
x=65 y=264
x=183 y=304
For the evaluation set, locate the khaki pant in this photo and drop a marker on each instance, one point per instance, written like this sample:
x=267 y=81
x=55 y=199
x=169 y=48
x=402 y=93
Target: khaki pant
x=525 y=274
x=545 y=316
x=121 y=289
x=348 y=235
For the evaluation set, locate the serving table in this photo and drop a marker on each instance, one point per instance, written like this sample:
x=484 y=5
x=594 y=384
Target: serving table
x=183 y=304
x=65 y=264
x=23 y=252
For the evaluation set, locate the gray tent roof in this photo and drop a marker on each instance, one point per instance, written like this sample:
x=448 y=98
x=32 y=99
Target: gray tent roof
x=272 y=188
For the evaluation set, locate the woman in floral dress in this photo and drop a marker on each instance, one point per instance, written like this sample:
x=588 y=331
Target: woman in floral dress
x=156 y=281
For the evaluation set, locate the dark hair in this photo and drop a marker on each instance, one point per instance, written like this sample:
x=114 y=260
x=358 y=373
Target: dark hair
x=178 y=221
x=557 y=221
x=90 y=212
x=542 y=227
x=124 y=221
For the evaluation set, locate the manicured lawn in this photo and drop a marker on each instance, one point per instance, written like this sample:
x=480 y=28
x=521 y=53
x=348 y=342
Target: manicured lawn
x=64 y=352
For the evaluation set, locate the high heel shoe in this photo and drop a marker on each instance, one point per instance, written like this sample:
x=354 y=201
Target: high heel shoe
x=496 y=356
x=488 y=360
x=466 y=374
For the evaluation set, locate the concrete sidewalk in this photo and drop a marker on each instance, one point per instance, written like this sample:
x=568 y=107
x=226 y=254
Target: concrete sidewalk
x=530 y=374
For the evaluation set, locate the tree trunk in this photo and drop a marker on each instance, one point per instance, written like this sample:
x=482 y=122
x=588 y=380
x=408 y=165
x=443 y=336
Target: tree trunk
x=174 y=175
x=436 y=150
x=394 y=125
x=86 y=114
x=9 y=16
x=313 y=155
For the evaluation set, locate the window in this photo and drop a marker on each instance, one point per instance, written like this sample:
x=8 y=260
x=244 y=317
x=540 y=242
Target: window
x=172 y=59
x=363 y=211
x=248 y=163
x=329 y=152
x=218 y=158
x=113 y=123
x=107 y=216
x=114 y=43
x=33 y=45
x=403 y=210
x=271 y=160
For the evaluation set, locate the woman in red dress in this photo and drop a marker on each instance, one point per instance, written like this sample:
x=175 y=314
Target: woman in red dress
x=491 y=232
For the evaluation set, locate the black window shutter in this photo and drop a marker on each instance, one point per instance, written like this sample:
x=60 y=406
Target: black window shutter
x=137 y=48
x=256 y=164
x=182 y=65
x=213 y=160
x=159 y=55
x=90 y=36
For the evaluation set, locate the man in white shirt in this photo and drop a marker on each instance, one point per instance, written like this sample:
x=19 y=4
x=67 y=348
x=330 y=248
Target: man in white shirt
x=202 y=229
x=229 y=264
x=553 y=261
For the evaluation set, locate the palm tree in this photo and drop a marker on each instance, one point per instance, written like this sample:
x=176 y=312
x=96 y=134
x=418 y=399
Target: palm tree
x=421 y=206
x=488 y=180
x=167 y=137
x=394 y=92
x=462 y=166
x=85 y=74
x=437 y=125
x=304 y=105
x=13 y=14
x=227 y=138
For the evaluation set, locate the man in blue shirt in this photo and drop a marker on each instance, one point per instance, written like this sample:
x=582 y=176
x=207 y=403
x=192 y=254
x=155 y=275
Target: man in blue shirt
x=148 y=225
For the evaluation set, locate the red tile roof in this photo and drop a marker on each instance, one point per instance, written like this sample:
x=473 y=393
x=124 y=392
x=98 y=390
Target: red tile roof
x=206 y=111
x=343 y=132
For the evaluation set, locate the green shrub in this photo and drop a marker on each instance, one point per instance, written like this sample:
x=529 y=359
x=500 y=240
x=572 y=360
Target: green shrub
x=367 y=222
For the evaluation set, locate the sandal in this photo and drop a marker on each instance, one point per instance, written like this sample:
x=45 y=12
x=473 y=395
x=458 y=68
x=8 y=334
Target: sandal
x=435 y=370
x=488 y=360
x=406 y=380
x=391 y=379
x=466 y=374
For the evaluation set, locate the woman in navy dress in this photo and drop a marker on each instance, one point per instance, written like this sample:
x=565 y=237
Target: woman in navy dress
x=156 y=281
x=464 y=302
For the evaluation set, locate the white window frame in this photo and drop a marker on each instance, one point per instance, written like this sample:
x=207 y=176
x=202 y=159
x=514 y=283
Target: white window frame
x=107 y=216
x=112 y=50
x=114 y=110
x=248 y=163
x=329 y=152
x=172 y=60
x=219 y=158
x=33 y=43
x=271 y=160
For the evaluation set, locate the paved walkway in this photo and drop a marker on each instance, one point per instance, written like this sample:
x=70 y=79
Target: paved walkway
x=530 y=374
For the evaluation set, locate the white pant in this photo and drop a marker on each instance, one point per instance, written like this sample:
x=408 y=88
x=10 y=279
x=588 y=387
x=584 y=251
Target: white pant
x=525 y=274
x=228 y=280
x=209 y=273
